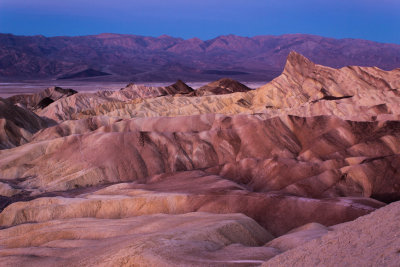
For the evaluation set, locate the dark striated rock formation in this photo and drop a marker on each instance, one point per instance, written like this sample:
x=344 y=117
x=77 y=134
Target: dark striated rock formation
x=17 y=125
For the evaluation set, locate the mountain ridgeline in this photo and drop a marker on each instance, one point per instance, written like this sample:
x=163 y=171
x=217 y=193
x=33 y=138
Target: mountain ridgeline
x=118 y=57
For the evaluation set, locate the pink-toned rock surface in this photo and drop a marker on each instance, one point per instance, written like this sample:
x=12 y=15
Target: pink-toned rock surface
x=188 y=192
x=160 y=176
x=371 y=240
x=192 y=239
x=303 y=89
x=310 y=157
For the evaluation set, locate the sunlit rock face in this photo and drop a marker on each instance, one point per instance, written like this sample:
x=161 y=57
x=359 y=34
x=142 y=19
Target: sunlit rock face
x=220 y=176
x=303 y=89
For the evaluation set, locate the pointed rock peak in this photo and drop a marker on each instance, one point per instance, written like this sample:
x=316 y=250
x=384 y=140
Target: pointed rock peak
x=179 y=87
x=222 y=86
x=298 y=62
x=129 y=85
x=227 y=82
x=180 y=83
x=296 y=58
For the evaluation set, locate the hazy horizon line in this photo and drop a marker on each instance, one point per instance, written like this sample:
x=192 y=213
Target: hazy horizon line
x=185 y=39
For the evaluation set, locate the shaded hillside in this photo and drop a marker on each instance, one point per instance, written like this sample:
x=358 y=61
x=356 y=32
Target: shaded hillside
x=88 y=73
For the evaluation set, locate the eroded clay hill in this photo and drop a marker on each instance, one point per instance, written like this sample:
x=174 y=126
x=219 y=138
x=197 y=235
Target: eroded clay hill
x=17 y=124
x=42 y=99
x=303 y=89
x=371 y=240
x=163 y=176
x=134 y=91
x=221 y=87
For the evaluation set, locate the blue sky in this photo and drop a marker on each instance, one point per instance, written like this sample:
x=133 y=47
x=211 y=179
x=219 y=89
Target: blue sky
x=366 y=19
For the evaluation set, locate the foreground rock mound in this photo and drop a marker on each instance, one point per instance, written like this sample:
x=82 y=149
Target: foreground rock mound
x=371 y=240
x=185 y=192
x=193 y=239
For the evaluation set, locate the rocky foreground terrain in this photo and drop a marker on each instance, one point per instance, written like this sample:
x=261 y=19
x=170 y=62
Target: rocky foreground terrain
x=298 y=172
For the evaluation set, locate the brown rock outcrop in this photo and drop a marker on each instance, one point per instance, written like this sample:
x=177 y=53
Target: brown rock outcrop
x=42 y=99
x=221 y=87
x=17 y=125
x=66 y=108
x=304 y=81
x=134 y=91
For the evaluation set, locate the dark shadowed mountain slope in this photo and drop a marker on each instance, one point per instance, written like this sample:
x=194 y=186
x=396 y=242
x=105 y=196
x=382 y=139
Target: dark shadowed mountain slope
x=139 y=58
x=17 y=124
x=87 y=73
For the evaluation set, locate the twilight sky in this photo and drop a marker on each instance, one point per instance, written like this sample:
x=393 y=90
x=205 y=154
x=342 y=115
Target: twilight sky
x=377 y=20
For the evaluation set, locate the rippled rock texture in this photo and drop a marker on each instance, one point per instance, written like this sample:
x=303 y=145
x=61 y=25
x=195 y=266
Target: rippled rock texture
x=220 y=176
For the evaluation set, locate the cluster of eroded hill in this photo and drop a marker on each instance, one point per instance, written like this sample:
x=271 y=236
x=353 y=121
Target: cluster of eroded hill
x=216 y=176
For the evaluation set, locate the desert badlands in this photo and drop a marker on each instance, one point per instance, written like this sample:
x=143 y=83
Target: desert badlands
x=302 y=171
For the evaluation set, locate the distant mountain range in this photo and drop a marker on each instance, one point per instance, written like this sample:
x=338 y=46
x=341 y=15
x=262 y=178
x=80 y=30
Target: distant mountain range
x=120 y=57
